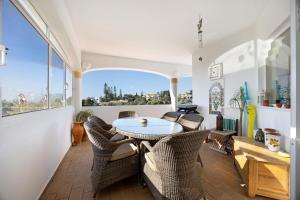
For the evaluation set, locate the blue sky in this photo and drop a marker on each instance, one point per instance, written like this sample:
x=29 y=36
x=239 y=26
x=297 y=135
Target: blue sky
x=129 y=81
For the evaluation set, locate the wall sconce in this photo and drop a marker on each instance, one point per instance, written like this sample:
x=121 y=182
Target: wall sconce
x=3 y=55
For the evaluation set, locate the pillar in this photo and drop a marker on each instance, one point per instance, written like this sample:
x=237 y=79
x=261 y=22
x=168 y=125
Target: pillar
x=173 y=93
x=295 y=100
x=77 y=81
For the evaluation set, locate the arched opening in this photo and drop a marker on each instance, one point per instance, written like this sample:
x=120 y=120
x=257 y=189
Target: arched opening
x=111 y=87
x=185 y=90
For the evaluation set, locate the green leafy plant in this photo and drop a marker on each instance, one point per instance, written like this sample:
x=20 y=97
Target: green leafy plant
x=238 y=101
x=82 y=116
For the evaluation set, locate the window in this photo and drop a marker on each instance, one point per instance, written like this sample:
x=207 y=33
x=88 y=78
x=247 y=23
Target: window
x=278 y=70
x=25 y=78
x=68 y=87
x=57 y=81
x=123 y=87
x=185 y=91
x=56 y=44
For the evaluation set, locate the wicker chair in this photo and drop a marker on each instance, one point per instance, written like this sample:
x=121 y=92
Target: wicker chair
x=113 y=161
x=171 y=116
x=100 y=122
x=170 y=167
x=190 y=122
x=124 y=114
x=111 y=134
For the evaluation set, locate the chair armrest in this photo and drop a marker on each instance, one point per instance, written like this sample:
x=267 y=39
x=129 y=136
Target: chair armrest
x=107 y=127
x=116 y=144
x=147 y=145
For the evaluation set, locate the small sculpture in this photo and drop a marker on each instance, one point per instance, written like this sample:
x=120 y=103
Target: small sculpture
x=260 y=136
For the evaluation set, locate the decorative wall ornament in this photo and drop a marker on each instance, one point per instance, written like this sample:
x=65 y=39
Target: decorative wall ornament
x=200 y=35
x=215 y=72
x=216 y=97
x=200 y=32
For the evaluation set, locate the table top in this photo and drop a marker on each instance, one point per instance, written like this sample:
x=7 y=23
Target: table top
x=154 y=129
x=258 y=151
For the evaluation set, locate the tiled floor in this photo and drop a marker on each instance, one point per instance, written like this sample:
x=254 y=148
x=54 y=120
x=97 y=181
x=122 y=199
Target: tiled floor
x=72 y=179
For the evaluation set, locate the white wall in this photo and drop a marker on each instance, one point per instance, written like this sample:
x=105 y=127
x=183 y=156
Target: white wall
x=110 y=113
x=241 y=55
x=279 y=119
x=227 y=52
x=31 y=148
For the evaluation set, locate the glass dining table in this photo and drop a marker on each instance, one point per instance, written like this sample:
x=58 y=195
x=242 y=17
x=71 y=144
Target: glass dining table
x=153 y=129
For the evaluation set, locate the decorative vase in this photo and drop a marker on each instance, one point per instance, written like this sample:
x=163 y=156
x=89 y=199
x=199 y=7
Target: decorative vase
x=274 y=141
x=278 y=104
x=260 y=135
x=219 y=124
x=77 y=132
x=266 y=102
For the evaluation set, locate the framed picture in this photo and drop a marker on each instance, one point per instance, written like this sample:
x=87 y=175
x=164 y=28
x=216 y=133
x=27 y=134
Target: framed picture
x=216 y=97
x=215 y=71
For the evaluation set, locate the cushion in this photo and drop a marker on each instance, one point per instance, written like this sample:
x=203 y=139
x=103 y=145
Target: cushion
x=171 y=119
x=117 y=137
x=153 y=176
x=150 y=160
x=123 y=151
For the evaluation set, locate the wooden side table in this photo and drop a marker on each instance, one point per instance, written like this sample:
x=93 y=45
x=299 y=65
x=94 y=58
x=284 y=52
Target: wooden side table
x=263 y=171
x=220 y=140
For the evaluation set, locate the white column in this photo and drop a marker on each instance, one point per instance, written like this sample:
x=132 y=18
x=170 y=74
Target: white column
x=77 y=79
x=173 y=93
x=295 y=99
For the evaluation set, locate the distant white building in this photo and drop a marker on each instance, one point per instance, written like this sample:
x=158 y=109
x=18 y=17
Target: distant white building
x=151 y=96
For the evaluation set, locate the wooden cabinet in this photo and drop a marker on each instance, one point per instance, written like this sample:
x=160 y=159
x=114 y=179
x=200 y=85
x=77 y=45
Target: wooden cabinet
x=264 y=172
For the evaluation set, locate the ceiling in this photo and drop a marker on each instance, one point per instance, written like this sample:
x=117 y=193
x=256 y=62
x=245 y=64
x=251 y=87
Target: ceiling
x=157 y=30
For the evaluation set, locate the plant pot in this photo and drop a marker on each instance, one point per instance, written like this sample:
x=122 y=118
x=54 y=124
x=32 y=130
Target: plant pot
x=77 y=132
x=278 y=104
x=266 y=102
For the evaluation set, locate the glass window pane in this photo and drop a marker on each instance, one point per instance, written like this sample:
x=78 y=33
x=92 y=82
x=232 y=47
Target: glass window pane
x=25 y=78
x=57 y=80
x=185 y=91
x=124 y=87
x=278 y=70
x=68 y=87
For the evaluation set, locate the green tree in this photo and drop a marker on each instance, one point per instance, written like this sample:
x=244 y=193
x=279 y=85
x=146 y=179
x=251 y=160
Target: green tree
x=115 y=92
x=105 y=91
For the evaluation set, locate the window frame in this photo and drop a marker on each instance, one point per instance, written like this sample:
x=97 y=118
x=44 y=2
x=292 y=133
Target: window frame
x=49 y=78
x=68 y=70
x=48 y=44
x=46 y=36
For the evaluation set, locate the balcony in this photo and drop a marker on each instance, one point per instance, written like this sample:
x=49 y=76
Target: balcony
x=61 y=58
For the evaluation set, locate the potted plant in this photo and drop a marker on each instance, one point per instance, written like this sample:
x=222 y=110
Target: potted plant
x=238 y=101
x=78 y=130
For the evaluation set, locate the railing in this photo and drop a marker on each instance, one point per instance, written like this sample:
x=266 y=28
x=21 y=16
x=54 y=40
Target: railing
x=110 y=113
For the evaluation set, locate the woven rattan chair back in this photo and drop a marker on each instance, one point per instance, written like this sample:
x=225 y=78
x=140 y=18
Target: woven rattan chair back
x=171 y=116
x=190 y=122
x=97 y=120
x=176 y=159
x=97 y=136
x=124 y=114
